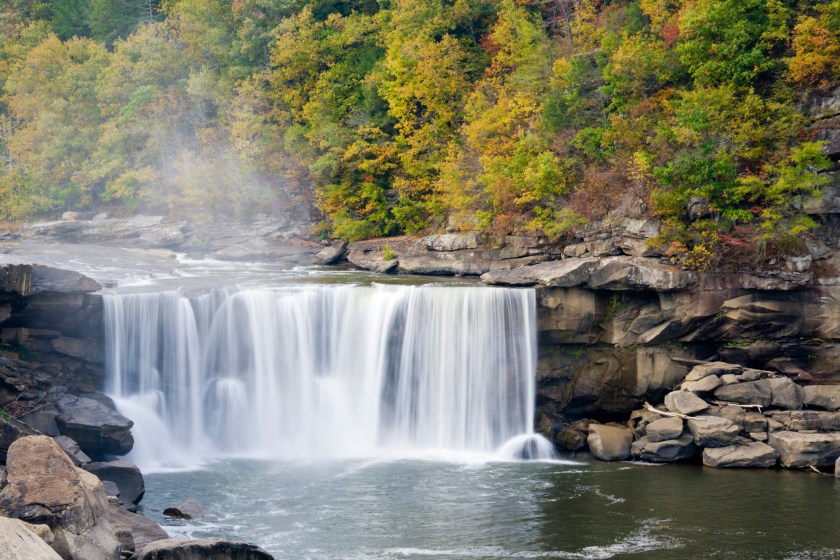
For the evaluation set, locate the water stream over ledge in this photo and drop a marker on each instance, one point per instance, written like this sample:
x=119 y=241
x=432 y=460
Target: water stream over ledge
x=323 y=371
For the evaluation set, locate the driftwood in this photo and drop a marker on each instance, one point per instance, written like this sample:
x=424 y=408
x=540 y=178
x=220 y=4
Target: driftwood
x=649 y=407
x=725 y=403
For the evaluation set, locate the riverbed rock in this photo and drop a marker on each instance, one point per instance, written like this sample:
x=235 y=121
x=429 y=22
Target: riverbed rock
x=205 y=549
x=45 y=487
x=665 y=429
x=19 y=541
x=124 y=474
x=712 y=431
x=822 y=396
x=666 y=451
x=187 y=509
x=751 y=393
x=743 y=455
x=98 y=430
x=801 y=450
x=684 y=402
x=609 y=443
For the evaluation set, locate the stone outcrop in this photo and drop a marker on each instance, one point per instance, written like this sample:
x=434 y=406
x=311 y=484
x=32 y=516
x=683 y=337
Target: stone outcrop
x=206 y=549
x=124 y=474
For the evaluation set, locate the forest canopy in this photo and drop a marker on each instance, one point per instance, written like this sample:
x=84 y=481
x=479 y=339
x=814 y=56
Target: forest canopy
x=400 y=116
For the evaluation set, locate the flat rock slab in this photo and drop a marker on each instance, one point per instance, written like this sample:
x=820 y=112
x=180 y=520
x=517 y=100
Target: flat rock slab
x=187 y=509
x=206 y=549
x=683 y=402
x=143 y=530
x=713 y=368
x=705 y=385
x=636 y=274
x=747 y=455
x=751 y=392
x=799 y=451
x=563 y=274
x=666 y=451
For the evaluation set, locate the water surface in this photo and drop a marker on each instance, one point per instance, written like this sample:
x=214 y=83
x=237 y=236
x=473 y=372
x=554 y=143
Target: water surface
x=418 y=509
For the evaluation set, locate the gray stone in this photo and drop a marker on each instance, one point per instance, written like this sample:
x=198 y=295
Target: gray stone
x=206 y=549
x=164 y=236
x=798 y=450
x=751 y=392
x=805 y=420
x=85 y=349
x=684 y=402
x=729 y=379
x=754 y=422
x=331 y=254
x=705 y=385
x=745 y=455
x=665 y=451
x=785 y=393
x=18 y=541
x=665 y=429
x=734 y=414
x=712 y=431
x=373 y=261
x=837 y=468
x=608 y=443
x=79 y=458
x=11 y=430
x=97 y=429
x=46 y=279
x=822 y=396
x=124 y=474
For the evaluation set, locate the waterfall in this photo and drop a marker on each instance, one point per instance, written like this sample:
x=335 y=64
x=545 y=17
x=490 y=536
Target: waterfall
x=321 y=370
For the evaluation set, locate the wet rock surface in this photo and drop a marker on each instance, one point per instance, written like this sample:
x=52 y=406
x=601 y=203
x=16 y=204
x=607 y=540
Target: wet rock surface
x=206 y=549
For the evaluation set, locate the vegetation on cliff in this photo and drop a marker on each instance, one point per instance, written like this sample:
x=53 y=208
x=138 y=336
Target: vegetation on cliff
x=397 y=116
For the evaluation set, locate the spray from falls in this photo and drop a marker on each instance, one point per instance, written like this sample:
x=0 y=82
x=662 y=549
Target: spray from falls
x=323 y=371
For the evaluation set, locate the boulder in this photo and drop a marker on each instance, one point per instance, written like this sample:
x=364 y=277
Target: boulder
x=798 y=450
x=785 y=393
x=822 y=396
x=754 y=422
x=570 y=438
x=746 y=455
x=665 y=429
x=666 y=451
x=79 y=458
x=734 y=414
x=98 y=430
x=331 y=254
x=609 y=443
x=373 y=261
x=143 y=531
x=712 y=431
x=45 y=487
x=684 y=402
x=751 y=392
x=805 y=420
x=187 y=509
x=451 y=242
x=18 y=541
x=46 y=279
x=206 y=549
x=124 y=474
x=705 y=385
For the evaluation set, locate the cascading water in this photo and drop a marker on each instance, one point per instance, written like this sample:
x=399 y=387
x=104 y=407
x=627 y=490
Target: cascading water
x=315 y=371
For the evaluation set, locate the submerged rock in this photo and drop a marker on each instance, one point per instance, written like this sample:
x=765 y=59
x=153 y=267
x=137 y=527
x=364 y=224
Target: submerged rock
x=206 y=549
